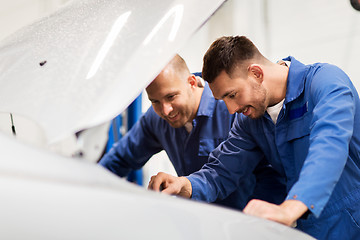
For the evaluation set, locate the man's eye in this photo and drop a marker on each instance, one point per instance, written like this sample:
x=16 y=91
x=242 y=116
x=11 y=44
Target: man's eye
x=232 y=95
x=154 y=102
x=171 y=97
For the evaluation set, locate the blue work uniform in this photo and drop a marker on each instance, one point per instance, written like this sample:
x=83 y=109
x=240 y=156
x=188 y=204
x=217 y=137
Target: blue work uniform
x=315 y=145
x=188 y=152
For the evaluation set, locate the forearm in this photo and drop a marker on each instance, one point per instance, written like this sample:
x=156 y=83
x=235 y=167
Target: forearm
x=131 y=152
x=115 y=165
x=224 y=173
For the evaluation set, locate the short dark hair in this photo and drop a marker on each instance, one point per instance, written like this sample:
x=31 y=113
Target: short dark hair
x=226 y=53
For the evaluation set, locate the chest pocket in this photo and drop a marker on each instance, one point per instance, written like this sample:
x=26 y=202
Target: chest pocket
x=299 y=128
x=207 y=145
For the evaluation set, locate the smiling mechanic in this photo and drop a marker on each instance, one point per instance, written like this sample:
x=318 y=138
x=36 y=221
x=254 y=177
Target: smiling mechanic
x=188 y=123
x=304 y=118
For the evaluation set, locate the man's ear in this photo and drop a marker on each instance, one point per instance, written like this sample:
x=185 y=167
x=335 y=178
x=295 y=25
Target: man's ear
x=256 y=71
x=192 y=80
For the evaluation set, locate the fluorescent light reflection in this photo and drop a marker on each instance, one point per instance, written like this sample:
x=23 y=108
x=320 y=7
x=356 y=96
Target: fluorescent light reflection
x=178 y=10
x=115 y=30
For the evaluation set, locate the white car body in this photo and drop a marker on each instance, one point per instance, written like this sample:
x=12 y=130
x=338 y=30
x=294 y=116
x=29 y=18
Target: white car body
x=77 y=69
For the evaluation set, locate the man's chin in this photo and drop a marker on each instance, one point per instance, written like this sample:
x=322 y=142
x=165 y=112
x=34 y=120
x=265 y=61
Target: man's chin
x=256 y=115
x=175 y=124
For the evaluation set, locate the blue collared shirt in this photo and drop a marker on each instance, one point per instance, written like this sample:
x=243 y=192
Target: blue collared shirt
x=315 y=144
x=188 y=152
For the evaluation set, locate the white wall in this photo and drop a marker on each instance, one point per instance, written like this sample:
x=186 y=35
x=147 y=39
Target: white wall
x=311 y=31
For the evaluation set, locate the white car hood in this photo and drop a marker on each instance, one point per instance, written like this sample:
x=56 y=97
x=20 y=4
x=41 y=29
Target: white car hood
x=46 y=196
x=84 y=64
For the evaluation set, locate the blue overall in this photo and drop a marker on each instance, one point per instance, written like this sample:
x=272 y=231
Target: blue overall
x=189 y=152
x=315 y=146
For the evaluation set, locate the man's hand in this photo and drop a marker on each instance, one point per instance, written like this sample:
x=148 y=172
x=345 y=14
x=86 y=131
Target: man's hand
x=169 y=184
x=286 y=213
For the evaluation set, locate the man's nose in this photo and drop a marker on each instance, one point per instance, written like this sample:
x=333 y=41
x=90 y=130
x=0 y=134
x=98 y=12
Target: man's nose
x=232 y=107
x=166 y=109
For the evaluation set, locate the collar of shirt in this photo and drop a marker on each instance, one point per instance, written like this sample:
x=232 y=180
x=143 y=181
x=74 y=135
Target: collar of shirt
x=206 y=106
x=295 y=80
x=275 y=110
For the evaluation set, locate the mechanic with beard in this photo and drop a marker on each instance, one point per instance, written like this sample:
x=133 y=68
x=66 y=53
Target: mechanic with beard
x=304 y=118
x=188 y=123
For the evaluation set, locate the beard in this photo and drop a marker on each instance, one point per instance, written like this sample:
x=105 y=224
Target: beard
x=259 y=106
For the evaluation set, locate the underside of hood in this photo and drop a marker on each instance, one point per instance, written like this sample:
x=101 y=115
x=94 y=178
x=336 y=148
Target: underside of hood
x=84 y=64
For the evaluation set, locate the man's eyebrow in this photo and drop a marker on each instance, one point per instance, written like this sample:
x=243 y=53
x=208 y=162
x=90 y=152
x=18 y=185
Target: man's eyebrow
x=172 y=93
x=225 y=94
x=166 y=96
x=151 y=99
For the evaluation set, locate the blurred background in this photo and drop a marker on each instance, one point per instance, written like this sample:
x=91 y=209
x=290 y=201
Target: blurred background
x=311 y=31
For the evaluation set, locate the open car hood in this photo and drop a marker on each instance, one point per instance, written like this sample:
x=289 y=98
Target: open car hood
x=84 y=64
